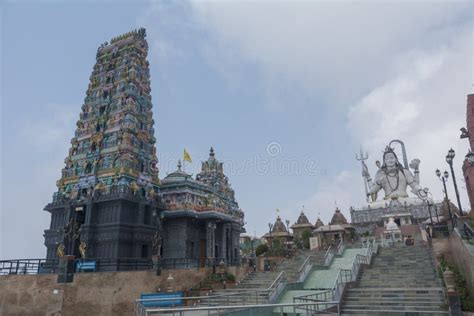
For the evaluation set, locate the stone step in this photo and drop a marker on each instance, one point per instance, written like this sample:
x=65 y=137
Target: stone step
x=400 y=289
x=377 y=285
x=392 y=300
x=388 y=312
x=413 y=307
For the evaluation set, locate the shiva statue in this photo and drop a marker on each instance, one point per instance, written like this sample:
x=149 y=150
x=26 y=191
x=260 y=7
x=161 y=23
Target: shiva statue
x=393 y=177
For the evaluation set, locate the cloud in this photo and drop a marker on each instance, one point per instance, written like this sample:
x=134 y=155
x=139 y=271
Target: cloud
x=397 y=70
x=424 y=104
x=335 y=50
x=335 y=191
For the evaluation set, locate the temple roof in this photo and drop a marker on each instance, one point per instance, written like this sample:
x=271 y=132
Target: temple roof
x=279 y=226
x=338 y=218
x=302 y=221
x=319 y=223
x=278 y=230
x=177 y=176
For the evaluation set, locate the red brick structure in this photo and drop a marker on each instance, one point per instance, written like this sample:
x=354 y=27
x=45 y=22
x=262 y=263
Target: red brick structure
x=468 y=165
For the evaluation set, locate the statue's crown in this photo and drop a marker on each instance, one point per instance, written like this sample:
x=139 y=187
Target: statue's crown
x=388 y=149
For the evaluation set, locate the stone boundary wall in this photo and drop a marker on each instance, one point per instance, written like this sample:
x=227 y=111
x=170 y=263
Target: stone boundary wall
x=464 y=259
x=455 y=251
x=102 y=293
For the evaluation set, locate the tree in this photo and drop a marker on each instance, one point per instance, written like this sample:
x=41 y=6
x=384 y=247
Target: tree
x=261 y=249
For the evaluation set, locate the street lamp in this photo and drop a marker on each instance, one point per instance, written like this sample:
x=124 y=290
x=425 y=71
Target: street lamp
x=429 y=205
x=444 y=178
x=449 y=160
x=270 y=226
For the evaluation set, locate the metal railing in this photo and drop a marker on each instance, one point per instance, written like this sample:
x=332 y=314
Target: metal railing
x=29 y=266
x=228 y=299
x=265 y=296
x=260 y=309
x=107 y=265
x=342 y=278
x=51 y=266
x=275 y=289
x=340 y=248
x=304 y=270
x=468 y=231
x=328 y=257
x=321 y=296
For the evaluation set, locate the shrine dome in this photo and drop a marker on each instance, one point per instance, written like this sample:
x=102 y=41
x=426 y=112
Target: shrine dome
x=177 y=176
x=338 y=218
x=319 y=223
x=279 y=226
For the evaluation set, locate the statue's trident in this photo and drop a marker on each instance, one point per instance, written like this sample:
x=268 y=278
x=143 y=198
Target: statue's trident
x=362 y=158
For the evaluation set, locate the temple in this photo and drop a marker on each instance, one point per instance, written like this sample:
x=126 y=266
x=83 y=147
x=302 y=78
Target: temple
x=201 y=220
x=110 y=203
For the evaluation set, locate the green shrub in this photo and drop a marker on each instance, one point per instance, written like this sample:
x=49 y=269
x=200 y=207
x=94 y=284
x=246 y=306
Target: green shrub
x=261 y=249
x=461 y=285
x=229 y=277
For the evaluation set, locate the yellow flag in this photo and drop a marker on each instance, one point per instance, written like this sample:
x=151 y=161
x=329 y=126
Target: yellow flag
x=186 y=156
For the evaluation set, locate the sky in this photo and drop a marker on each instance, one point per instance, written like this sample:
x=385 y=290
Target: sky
x=285 y=92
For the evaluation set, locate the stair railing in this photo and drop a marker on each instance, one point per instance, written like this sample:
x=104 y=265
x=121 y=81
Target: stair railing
x=468 y=231
x=276 y=287
x=342 y=278
x=340 y=248
x=304 y=269
x=328 y=257
x=326 y=296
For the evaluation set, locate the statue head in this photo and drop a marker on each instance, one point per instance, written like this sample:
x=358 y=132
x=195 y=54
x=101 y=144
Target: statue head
x=390 y=159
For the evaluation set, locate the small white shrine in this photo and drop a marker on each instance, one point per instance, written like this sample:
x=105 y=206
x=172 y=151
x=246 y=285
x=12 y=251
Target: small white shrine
x=391 y=234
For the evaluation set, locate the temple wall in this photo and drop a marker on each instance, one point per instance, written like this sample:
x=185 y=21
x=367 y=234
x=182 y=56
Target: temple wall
x=174 y=239
x=106 y=293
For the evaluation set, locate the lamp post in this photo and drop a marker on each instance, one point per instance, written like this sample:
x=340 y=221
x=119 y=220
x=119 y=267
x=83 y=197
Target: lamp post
x=449 y=160
x=429 y=205
x=444 y=178
x=270 y=226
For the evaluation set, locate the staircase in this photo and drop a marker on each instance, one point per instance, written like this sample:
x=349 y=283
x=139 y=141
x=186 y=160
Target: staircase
x=253 y=289
x=401 y=281
x=292 y=266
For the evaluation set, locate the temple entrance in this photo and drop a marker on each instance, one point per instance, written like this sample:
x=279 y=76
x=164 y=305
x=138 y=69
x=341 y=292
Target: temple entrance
x=202 y=252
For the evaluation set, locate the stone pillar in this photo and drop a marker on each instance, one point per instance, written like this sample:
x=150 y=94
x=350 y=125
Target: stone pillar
x=224 y=242
x=88 y=210
x=210 y=238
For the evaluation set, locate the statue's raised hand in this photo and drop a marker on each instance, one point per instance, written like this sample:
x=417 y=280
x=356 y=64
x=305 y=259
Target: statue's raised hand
x=365 y=171
x=415 y=164
x=422 y=194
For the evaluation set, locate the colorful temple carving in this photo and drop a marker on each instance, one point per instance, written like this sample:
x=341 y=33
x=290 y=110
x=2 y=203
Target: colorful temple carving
x=201 y=218
x=108 y=196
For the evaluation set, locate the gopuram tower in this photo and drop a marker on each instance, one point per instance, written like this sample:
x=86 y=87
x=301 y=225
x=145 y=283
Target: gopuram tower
x=107 y=203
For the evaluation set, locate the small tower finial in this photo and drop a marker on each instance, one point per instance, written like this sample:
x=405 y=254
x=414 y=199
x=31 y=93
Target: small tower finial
x=179 y=164
x=211 y=152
